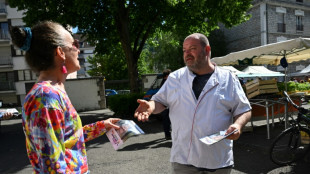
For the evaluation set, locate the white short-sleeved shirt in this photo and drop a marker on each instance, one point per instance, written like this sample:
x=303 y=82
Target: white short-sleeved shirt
x=221 y=99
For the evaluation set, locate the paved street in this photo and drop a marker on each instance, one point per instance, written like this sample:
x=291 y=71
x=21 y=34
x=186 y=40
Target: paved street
x=146 y=153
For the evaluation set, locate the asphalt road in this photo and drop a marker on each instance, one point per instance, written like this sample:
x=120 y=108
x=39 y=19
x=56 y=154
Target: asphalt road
x=147 y=153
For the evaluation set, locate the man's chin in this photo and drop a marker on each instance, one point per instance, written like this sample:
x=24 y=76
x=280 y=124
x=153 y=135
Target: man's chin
x=191 y=67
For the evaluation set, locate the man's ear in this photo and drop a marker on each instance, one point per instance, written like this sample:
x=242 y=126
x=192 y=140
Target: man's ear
x=60 y=52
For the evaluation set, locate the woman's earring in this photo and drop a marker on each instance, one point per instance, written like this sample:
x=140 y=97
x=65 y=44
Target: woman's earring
x=64 y=69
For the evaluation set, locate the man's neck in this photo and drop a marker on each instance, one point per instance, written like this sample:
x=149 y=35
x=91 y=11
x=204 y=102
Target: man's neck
x=207 y=70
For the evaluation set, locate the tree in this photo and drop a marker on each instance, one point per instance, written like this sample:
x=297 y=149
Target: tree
x=131 y=22
x=111 y=66
x=164 y=50
x=218 y=43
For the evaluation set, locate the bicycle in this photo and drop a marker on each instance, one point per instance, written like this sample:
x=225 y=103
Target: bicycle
x=293 y=143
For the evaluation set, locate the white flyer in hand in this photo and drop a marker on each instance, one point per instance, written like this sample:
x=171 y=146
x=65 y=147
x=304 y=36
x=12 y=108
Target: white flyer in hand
x=127 y=129
x=214 y=138
x=3 y=111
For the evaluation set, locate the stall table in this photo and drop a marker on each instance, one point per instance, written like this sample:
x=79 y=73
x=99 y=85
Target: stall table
x=267 y=101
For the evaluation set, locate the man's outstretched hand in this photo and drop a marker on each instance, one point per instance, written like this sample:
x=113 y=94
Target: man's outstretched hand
x=144 y=110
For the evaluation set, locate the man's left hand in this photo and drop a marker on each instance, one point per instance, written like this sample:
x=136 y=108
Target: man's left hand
x=235 y=135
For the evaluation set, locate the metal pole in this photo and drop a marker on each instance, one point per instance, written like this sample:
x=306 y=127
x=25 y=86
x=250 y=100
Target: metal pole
x=285 y=79
x=267 y=115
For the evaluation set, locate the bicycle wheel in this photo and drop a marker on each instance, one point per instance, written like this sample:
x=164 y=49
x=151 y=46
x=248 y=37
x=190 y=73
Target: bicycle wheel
x=290 y=146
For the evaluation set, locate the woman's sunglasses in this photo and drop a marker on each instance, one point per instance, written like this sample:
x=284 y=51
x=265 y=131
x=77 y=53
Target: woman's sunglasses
x=76 y=44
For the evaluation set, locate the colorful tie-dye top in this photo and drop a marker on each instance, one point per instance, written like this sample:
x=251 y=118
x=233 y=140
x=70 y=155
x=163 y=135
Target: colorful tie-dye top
x=54 y=133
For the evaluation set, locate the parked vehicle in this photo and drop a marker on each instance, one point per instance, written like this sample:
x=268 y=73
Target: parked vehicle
x=109 y=92
x=154 y=87
x=123 y=91
x=153 y=90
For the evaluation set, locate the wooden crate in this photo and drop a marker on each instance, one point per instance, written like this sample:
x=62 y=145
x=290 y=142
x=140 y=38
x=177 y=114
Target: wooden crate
x=257 y=87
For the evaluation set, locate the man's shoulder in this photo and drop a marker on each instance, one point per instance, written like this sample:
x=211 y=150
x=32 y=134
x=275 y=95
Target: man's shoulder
x=221 y=72
x=178 y=73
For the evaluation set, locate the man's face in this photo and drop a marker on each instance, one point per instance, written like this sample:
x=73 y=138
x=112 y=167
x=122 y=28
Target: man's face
x=194 y=55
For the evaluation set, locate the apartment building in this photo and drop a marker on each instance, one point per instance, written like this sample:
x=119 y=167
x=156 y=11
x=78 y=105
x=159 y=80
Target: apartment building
x=86 y=51
x=16 y=78
x=272 y=21
x=9 y=72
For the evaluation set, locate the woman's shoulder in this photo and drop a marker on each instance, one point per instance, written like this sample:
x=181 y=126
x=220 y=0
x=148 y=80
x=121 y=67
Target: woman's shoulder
x=45 y=94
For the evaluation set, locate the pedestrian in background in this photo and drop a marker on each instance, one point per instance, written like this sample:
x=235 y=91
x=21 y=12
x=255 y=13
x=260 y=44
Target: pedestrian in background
x=55 y=137
x=165 y=113
x=203 y=99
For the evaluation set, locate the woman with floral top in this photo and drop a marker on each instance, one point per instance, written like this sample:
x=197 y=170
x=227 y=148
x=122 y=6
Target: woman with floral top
x=55 y=137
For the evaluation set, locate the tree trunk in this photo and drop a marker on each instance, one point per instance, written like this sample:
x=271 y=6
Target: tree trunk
x=122 y=24
x=133 y=73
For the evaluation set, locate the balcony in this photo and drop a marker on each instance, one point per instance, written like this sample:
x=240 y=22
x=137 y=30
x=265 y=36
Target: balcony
x=6 y=61
x=300 y=27
x=3 y=11
x=7 y=86
x=281 y=27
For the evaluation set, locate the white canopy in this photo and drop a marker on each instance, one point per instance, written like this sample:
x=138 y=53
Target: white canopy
x=305 y=71
x=271 y=54
x=232 y=69
x=261 y=71
x=253 y=71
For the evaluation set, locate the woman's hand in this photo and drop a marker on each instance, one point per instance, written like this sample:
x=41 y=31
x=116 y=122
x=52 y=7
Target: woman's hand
x=110 y=123
x=7 y=115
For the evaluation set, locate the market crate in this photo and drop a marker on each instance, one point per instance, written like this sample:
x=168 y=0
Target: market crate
x=305 y=139
x=257 y=87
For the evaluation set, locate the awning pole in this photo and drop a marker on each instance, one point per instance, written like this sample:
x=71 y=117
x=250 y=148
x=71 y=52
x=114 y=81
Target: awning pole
x=285 y=81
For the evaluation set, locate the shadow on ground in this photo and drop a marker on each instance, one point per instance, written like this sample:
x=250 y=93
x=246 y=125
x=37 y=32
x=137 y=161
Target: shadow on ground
x=12 y=141
x=12 y=148
x=251 y=153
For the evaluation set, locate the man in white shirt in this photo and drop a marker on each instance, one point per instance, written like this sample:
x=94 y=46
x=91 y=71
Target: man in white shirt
x=203 y=99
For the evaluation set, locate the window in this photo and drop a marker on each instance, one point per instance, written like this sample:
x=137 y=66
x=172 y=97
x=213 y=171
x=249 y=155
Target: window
x=3 y=77
x=26 y=75
x=299 y=1
x=21 y=76
x=17 y=52
x=7 y=81
x=299 y=25
x=281 y=38
x=4 y=30
x=281 y=22
x=7 y=76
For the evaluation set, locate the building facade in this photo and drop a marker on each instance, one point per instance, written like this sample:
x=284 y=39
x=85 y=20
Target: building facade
x=16 y=78
x=272 y=21
x=9 y=67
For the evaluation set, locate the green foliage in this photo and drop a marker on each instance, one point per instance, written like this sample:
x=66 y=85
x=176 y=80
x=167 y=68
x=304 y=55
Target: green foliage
x=125 y=105
x=111 y=66
x=163 y=50
x=302 y=86
x=292 y=86
x=131 y=23
x=218 y=43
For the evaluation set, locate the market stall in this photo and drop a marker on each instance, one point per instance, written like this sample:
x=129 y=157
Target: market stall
x=272 y=54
